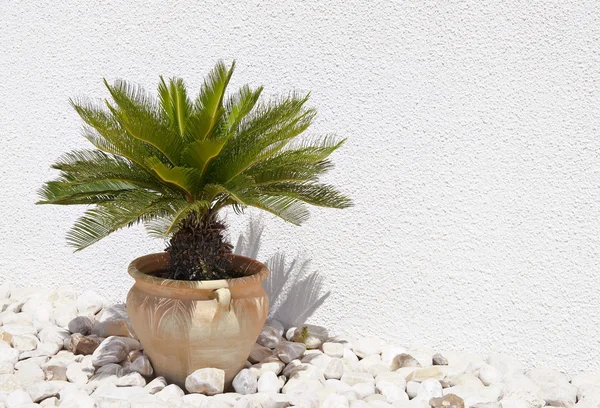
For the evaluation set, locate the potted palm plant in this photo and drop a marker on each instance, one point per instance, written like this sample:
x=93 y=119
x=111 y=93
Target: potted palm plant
x=172 y=164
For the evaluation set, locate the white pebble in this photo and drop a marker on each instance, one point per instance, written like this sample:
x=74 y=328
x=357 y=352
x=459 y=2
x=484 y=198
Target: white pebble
x=142 y=365
x=364 y=389
x=156 y=385
x=316 y=358
x=82 y=325
x=53 y=334
x=245 y=382
x=90 y=302
x=207 y=381
x=335 y=401
x=8 y=355
x=25 y=342
x=391 y=391
x=302 y=386
x=77 y=399
x=334 y=370
x=111 y=350
x=392 y=377
x=338 y=386
x=367 y=346
x=334 y=350
x=16 y=398
x=312 y=336
x=412 y=388
x=170 y=392
x=269 y=337
x=429 y=389
x=489 y=374
x=195 y=400
x=259 y=353
x=352 y=378
x=40 y=390
x=289 y=350
x=268 y=382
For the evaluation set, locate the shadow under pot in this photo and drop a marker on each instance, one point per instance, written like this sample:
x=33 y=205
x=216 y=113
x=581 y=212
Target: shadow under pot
x=187 y=325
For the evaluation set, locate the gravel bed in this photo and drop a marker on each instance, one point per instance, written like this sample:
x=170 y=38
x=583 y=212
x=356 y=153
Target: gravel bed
x=60 y=348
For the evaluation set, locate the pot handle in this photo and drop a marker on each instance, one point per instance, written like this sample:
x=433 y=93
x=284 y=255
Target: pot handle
x=223 y=297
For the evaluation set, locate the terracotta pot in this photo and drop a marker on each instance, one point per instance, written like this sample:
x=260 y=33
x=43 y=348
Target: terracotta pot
x=187 y=325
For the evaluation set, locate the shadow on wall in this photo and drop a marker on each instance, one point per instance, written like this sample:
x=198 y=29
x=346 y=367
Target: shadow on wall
x=294 y=292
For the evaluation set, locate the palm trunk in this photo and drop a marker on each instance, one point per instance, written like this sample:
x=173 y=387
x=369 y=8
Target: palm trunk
x=198 y=250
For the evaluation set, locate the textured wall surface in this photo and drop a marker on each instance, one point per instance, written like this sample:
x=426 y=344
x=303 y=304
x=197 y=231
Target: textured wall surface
x=473 y=154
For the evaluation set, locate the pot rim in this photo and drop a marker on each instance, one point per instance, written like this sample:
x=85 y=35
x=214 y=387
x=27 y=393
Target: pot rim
x=157 y=260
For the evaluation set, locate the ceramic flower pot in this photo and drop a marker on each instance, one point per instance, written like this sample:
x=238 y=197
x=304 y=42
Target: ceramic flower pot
x=187 y=325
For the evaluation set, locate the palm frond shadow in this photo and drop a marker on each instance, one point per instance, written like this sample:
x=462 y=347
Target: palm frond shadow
x=295 y=292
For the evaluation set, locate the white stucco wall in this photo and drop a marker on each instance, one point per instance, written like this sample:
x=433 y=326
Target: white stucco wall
x=473 y=154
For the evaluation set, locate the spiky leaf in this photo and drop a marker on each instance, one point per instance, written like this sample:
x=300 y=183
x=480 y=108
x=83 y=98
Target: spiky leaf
x=176 y=160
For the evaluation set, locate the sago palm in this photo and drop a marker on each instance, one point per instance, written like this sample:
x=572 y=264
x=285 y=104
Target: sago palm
x=172 y=163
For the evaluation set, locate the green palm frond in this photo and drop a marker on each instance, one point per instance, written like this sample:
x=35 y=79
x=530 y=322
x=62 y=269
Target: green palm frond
x=175 y=104
x=159 y=160
x=209 y=104
x=287 y=208
x=106 y=218
x=182 y=178
x=166 y=100
x=165 y=226
x=301 y=162
x=262 y=134
x=139 y=116
x=85 y=166
x=200 y=152
x=321 y=195
x=65 y=192
x=106 y=133
x=240 y=105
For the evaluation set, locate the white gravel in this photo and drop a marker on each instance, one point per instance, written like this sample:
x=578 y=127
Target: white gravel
x=58 y=348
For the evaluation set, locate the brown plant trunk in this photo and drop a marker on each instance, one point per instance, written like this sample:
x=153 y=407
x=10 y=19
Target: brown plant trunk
x=198 y=250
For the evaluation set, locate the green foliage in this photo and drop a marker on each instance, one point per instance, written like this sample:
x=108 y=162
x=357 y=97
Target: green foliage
x=304 y=334
x=158 y=160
